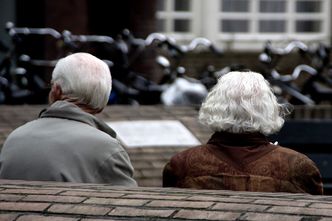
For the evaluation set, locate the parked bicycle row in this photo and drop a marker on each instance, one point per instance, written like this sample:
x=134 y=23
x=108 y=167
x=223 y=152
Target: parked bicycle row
x=307 y=83
x=129 y=87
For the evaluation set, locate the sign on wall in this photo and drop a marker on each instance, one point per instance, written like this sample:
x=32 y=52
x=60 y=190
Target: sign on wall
x=153 y=133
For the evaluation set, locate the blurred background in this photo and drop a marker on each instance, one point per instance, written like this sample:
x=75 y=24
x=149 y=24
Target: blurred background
x=204 y=38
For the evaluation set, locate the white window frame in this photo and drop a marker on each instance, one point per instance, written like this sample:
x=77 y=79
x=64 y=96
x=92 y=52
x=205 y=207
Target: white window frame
x=206 y=15
x=169 y=16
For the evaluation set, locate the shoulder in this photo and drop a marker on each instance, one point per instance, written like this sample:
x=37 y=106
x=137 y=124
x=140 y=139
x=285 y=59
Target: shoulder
x=287 y=152
x=189 y=152
x=298 y=161
x=188 y=157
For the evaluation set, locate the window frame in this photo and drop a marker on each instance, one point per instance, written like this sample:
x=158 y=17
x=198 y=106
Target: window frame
x=206 y=17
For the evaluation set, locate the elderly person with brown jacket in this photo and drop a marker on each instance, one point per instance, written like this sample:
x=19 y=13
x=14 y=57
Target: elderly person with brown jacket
x=68 y=142
x=242 y=110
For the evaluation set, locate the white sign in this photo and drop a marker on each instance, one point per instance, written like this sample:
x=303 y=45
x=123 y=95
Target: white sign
x=153 y=133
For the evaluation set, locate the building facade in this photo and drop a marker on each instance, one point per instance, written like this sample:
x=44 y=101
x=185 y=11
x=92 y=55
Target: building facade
x=246 y=24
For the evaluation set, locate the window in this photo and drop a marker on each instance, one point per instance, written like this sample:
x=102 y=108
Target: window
x=234 y=25
x=245 y=23
x=234 y=5
x=175 y=16
x=272 y=26
x=309 y=6
x=272 y=6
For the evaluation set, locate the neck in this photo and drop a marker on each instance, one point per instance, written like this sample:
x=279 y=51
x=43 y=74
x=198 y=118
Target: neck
x=86 y=108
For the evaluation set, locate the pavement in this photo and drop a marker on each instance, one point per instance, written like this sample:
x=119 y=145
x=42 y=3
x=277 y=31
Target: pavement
x=52 y=201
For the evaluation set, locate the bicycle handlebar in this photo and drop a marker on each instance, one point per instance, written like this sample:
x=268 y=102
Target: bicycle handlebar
x=12 y=31
x=155 y=37
x=196 y=42
x=295 y=74
x=36 y=62
x=283 y=51
x=68 y=36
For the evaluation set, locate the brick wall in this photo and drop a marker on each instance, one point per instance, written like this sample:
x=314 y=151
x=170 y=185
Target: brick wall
x=21 y=201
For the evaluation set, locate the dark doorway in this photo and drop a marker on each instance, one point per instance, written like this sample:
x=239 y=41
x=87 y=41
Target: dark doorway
x=108 y=17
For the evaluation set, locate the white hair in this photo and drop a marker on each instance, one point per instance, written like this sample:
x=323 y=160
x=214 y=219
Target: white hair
x=85 y=78
x=242 y=102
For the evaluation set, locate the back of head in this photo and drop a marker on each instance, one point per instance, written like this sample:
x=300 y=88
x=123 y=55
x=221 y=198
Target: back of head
x=242 y=102
x=84 y=78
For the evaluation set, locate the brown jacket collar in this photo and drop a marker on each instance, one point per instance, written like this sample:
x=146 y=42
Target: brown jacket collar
x=239 y=149
x=238 y=140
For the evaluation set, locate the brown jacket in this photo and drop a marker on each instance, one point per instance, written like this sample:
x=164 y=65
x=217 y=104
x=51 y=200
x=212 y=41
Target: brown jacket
x=243 y=162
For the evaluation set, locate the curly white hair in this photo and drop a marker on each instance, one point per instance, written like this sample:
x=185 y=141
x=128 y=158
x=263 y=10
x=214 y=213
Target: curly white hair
x=242 y=102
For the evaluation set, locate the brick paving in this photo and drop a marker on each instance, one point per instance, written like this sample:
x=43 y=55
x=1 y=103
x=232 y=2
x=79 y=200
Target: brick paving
x=69 y=201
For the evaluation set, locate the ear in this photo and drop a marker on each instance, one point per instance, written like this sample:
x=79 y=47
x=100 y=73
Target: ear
x=55 y=93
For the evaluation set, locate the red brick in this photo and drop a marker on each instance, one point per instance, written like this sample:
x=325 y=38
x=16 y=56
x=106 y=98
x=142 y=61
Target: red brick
x=10 y=197
x=78 y=209
x=206 y=215
x=300 y=210
x=183 y=204
x=220 y=199
x=277 y=202
x=151 y=173
x=22 y=206
x=239 y=207
x=44 y=218
x=270 y=217
x=117 y=202
x=97 y=220
x=151 y=182
x=32 y=191
x=137 y=212
x=92 y=194
x=57 y=199
x=157 y=196
x=8 y=217
x=321 y=205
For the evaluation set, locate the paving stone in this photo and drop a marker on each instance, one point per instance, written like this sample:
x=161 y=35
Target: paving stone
x=301 y=210
x=152 y=203
x=239 y=207
x=8 y=217
x=321 y=205
x=91 y=194
x=138 y=212
x=22 y=206
x=206 y=215
x=281 y=202
x=116 y=201
x=179 y=204
x=57 y=199
x=44 y=218
x=78 y=209
x=270 y=217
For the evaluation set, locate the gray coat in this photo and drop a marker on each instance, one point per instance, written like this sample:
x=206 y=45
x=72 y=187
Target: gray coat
x=66 y=144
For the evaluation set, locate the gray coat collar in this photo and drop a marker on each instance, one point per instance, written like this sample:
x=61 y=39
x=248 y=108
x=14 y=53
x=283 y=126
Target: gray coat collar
x=67 y=110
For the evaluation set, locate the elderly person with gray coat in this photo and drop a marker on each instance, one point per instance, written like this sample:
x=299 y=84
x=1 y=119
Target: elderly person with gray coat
x=67 y=142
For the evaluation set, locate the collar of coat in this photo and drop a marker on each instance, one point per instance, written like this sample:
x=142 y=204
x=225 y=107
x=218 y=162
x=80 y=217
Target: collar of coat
x=69 y=111
x=238 y=139
x=239 y=149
